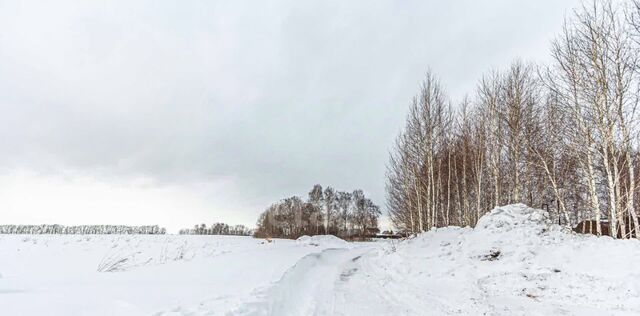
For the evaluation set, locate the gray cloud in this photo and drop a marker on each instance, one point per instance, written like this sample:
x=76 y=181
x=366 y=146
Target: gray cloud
x=275 y=96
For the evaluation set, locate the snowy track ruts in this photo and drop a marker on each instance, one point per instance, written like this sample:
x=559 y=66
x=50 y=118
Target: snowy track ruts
x=313 y=286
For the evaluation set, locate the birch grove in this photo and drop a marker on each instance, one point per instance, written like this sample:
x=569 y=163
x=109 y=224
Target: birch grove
x=562 y=136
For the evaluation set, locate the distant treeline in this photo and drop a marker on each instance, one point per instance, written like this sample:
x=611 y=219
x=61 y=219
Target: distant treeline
x=83 y=229
x=347 y=215
x=218 y=229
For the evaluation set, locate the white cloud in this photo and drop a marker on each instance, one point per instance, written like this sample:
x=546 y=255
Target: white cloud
x=270 y=96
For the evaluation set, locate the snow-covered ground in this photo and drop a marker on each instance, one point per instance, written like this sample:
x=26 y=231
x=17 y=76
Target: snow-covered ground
x=138 y=275
x=514 y=263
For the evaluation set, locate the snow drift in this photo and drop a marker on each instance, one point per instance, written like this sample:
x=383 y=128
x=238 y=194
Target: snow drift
x=515 y=262
x=517 y=216
x=329 y=241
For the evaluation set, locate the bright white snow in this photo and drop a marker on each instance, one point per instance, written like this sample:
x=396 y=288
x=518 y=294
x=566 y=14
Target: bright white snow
x=164 y=275
x=514 y=263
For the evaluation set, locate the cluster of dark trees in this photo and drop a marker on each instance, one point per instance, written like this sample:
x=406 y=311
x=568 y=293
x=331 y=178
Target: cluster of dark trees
x=344 y=214
x=563 y=134
x=82 y=229
x=218 y=229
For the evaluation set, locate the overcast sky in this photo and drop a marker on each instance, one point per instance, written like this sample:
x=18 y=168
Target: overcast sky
x=182 y=112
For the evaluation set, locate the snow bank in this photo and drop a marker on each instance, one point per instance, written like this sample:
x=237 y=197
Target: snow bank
x=517 y=216
x=326 y=241
x=512 y=232
x=515 y=262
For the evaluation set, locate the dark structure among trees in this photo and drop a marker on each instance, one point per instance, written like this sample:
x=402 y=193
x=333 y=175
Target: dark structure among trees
x=343 y=214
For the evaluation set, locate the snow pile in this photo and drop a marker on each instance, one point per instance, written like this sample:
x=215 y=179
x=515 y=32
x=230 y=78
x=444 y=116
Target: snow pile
x=512 y=231
x=325 y=241
x=515 y=262
x=517 y=216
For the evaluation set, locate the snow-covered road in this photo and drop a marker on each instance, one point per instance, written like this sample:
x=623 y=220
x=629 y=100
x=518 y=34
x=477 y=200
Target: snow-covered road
x=313 y=286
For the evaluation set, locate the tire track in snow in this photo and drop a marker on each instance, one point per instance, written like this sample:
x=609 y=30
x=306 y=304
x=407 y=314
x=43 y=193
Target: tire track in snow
x=308 y=287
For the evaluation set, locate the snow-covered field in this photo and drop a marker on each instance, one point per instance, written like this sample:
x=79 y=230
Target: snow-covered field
x=514 y=263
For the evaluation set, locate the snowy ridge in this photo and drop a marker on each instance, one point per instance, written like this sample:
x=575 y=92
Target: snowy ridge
x=306 y=287
x=514 y=263
x=506 y=219
x=324 y=240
